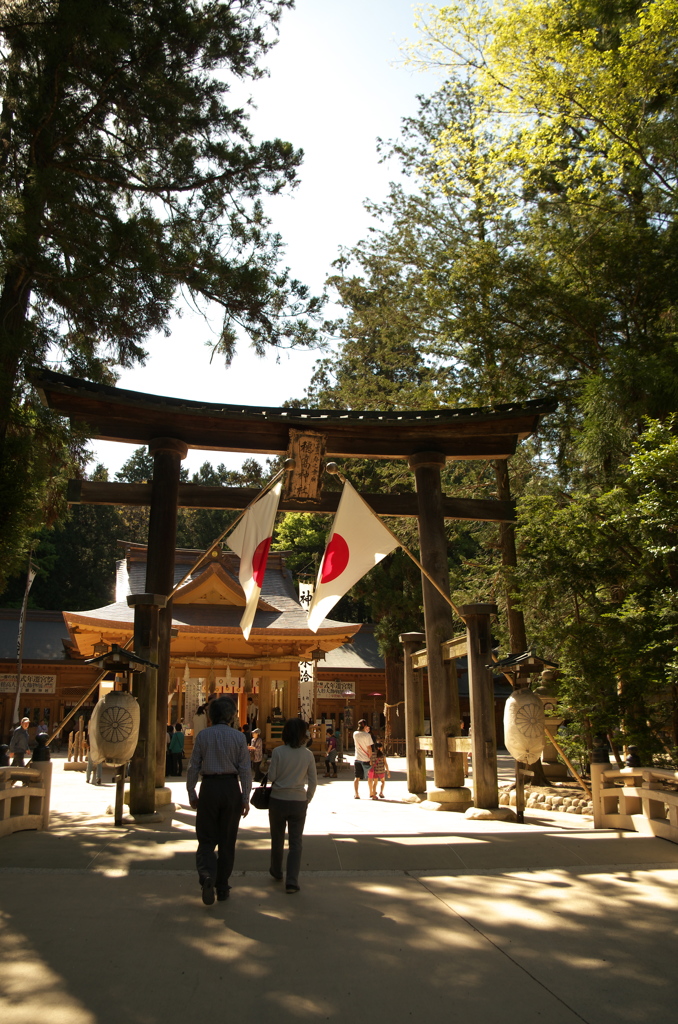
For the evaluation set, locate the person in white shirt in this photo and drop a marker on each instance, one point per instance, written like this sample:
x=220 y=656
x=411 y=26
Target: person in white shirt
x=221 y=761
x=362 y=741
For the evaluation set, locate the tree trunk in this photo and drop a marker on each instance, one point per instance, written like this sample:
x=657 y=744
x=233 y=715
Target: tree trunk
x=14 y=300
x=507 y=544
x=28 y=234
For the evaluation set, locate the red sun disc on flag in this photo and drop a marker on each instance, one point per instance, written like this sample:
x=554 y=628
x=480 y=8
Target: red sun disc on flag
x=336 y=558
x=259 y=559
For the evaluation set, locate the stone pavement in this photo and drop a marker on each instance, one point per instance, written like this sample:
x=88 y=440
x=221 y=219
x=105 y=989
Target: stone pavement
x=404 y=913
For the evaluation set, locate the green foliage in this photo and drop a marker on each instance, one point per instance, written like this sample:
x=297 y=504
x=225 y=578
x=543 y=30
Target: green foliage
x=198 y=528
x=76 y=554
x=138 y=469
x=600 y=571
x=42 y=454
x=534 y=250
x=128 y=176
x=303 y=535
x=75 y=559
x=574 y=286
x=115 y=116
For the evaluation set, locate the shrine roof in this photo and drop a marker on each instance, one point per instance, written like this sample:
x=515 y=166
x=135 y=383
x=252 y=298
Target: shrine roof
x=44 y=636
x=279 y=609
x=208 y=619
x=114 y=414
x=361 y=655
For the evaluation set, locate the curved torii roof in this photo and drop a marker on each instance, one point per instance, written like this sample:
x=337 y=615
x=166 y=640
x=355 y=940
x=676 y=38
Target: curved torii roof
x=113 y=414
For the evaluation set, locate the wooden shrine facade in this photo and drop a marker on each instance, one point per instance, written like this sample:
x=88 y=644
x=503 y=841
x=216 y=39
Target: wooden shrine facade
x=208 y=653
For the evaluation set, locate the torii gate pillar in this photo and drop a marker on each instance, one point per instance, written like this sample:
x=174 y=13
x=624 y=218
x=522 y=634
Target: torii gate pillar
x=481 y=692
x=167 y=453
x=448 y=768
x=414 y=715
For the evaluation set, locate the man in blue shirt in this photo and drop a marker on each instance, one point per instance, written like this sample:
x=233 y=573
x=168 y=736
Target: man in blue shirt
x=221 y=758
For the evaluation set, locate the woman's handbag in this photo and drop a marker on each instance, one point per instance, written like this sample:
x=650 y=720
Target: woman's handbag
x=261 y=796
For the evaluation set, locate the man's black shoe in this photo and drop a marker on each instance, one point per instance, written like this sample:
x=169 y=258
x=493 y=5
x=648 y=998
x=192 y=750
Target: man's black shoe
x=223 y=894
x=207 y=892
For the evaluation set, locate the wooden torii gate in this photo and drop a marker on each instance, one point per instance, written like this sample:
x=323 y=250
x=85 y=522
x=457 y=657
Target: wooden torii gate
x=169 y=426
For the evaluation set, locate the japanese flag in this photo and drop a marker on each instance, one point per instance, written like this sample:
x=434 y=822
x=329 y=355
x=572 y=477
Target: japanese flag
x=357 y=542
x=251 y=539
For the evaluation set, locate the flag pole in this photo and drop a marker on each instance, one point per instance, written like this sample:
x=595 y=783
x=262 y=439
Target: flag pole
x=288 y=467
x=332 y=468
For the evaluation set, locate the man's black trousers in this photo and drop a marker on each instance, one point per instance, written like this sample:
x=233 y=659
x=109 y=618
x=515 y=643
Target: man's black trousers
x=216 y=825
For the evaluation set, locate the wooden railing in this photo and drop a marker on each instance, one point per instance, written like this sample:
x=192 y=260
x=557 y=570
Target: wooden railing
x=78 y=749
x=639 y=799
x=25 y=806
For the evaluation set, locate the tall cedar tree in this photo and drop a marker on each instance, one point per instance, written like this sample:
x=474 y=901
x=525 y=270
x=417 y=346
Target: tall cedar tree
x=125 y=176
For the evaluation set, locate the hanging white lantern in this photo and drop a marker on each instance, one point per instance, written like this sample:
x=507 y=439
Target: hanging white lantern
x=114 y=728
x=524 y=726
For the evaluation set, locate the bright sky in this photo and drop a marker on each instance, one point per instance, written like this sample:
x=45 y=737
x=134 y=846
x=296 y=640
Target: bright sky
x=337 y=82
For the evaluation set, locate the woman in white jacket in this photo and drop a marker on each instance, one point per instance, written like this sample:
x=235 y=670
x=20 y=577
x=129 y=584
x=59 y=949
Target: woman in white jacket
x=292 y=772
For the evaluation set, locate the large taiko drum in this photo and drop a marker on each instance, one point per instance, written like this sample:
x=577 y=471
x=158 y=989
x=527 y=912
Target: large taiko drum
x=524 y=726
x=114 y=728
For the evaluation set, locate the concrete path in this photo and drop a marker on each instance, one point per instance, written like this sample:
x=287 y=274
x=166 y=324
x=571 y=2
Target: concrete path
x=404 y=913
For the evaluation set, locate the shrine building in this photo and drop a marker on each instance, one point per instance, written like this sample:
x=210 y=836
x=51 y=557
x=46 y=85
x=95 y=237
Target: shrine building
x=208 y=652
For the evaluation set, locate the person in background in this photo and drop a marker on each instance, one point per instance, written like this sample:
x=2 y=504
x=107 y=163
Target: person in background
x=20 y=743
x=378 y=771
x=95 y=770
x=362 y=741
x=4 y=755
x=168 y=756
x=200 y=718
x=221 y=759
x=176 y=749
x=464 y=756
x=252 y=715
x=256 y=749
x=292 y=772
x=330 y=754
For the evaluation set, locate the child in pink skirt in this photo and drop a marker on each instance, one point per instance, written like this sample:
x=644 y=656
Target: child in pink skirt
x=377 y=772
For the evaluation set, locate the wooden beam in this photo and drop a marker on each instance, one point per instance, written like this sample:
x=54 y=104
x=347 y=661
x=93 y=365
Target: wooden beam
x=168 y=454
x=142 y=773
x=115 y=414
x=246 y=439
x=448 y=771
x=452 y=649
x=100 y=492
x=481 y=694
x=455 y=744
x=414 y=715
